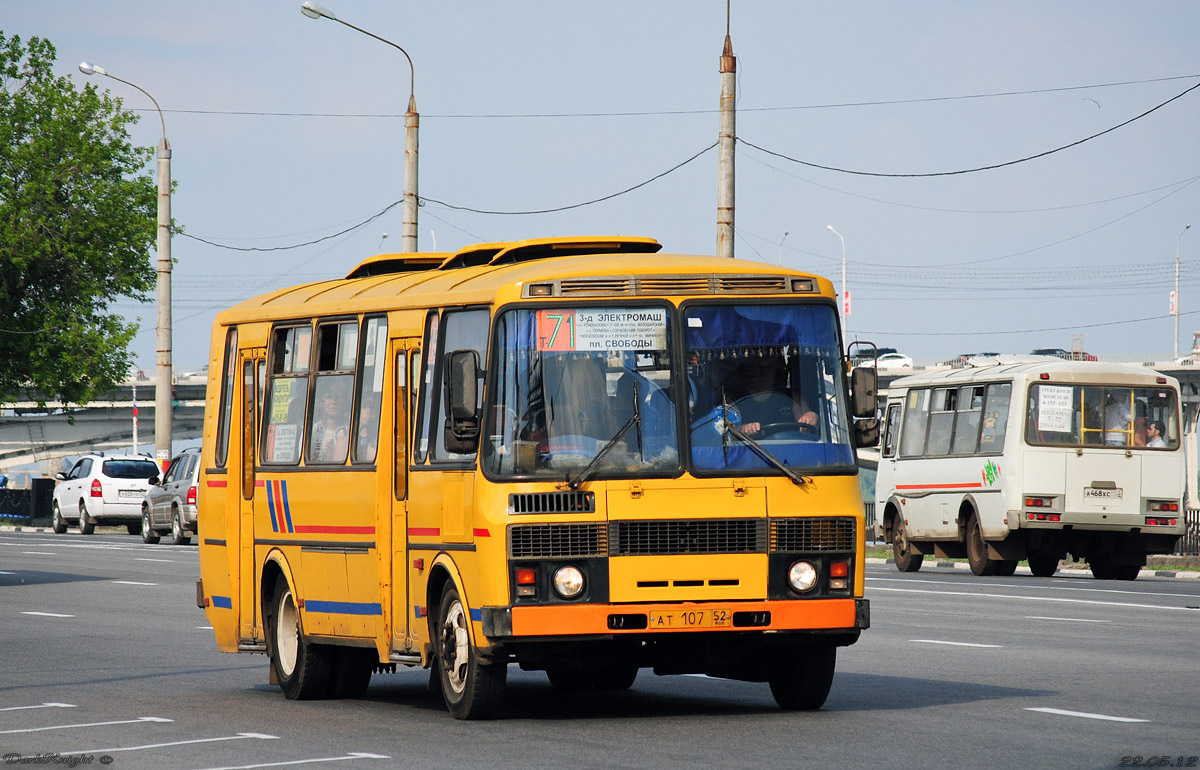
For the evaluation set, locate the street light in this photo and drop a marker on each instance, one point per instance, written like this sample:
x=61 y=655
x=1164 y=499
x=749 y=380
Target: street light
x=408 y=234
x=1175 y=304
x=845 y=294
x=162 y=381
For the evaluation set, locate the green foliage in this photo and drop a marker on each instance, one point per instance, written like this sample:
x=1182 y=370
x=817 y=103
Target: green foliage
x=77 y=227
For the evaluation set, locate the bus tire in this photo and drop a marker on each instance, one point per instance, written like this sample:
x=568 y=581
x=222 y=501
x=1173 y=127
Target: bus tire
x=301 y=668
x=1042 y=565
x=1102 y=567
x=471 y=688
x=801 y=678
x=1006 y=568
x=352 y=669
x=1126 y=571
x=907 y=560
x=977 y=554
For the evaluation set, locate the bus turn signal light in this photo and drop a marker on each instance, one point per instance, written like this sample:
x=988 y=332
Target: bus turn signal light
x=839 y=572
x=1153 y=521
x=526 y=581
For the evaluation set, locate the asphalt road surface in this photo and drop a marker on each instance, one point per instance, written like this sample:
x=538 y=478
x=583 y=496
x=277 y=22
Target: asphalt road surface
x=106 y=661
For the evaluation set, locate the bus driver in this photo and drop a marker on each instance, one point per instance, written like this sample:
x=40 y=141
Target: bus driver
x=769 y=401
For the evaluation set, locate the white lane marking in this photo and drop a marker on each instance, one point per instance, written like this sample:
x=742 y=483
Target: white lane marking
x=164 y=561
x=204 y=628
x=975 y=595
x=1068 y=620
x=47 y=614
x=133 y=583
x=352 y=755
x=88 y=724
x=1063 y=587
x=3 y=572
x=40 y=553
x=41 y=706
x=237 y=737
x=953 y=644
x=1085 y=715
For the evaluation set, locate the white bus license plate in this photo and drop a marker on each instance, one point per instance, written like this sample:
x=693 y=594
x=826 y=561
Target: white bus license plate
x=707 y=618
x=1103 y=494
x=131 y=494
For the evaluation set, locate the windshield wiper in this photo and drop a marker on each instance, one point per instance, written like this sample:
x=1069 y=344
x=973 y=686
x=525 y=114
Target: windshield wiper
x=574 y=481
x=765 y=454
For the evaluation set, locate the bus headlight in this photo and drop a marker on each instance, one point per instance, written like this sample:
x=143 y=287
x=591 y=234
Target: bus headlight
x=802 y=577
x=568 y=582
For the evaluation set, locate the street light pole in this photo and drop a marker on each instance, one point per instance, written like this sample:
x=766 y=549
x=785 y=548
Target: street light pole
x=412 y=122
x=726 y=136
x=162 y=359
x=1175 y=304
x=845 y=296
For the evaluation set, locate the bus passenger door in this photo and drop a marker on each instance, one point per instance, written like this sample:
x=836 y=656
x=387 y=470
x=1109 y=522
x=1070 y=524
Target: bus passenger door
x=248 y=614
x=406 y=357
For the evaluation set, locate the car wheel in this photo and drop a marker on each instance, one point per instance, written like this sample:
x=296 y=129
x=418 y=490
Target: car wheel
x=86 y=525
x=148 y=533
x=60 y=524
x=179 y=535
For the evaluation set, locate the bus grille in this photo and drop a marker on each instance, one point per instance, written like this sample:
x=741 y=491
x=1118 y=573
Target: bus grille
x=552 y=502
x=557 y=541
x=674 y=284
x=636 y=538
x=813 y=535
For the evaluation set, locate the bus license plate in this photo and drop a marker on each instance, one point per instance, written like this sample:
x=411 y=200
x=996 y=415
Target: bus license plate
x=1103 y=494
x=707 y=618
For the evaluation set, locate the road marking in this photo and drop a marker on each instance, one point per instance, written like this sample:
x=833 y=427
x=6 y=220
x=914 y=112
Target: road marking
x=1058 y=587
x=204 y=628
x=133 y=583
x=352 y=755
x=41 y=706
x=953 y=644
x=1086 y=715
x=974 y=595
x=88 y=724
x=164 y=561
x=239 y=736
x=47 y=614
x=1068 y=620
x=40 y=553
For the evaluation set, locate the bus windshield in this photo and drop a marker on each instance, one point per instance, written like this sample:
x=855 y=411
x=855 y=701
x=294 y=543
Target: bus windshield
x=1099 y=415
x=568 y=380
x=772 y=372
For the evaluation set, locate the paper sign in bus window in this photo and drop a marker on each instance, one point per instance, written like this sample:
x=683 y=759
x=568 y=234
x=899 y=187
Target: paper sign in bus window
x=602 y=329
x=1055 y=409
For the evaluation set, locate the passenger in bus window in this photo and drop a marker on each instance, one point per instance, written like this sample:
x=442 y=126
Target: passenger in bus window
x=768 y=401
x=1117 y=418
x=1154 y=434
x=368 y=435
x=330 y=434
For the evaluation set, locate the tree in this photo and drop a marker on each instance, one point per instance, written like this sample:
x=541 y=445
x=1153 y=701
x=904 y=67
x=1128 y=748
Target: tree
x=77 y=225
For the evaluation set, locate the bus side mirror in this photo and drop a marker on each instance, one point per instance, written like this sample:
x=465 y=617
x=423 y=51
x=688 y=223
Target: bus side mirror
x=462 y=421
x=864 y=387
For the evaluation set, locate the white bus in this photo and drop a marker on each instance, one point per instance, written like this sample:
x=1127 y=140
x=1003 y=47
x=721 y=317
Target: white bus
x=1035 y=459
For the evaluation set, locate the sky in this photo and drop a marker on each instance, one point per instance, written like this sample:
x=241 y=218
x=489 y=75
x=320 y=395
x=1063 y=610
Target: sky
x=990 y=165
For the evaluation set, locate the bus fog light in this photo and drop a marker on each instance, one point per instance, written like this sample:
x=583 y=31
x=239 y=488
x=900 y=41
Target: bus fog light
x=568 y=582
x=802 y=577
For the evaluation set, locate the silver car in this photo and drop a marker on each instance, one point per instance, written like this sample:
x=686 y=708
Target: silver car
x=170 y=504
x=102 y=489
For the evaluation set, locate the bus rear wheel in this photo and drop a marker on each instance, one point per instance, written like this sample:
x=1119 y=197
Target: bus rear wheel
x=352 y=669
x=1006 y=568
x=907 y=560
x=802 y=678
x=302 y=669
x=471 y=688
x=1043 y=566
x=977 y=553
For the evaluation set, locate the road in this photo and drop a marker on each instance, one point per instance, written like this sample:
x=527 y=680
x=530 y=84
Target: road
x=105 y=655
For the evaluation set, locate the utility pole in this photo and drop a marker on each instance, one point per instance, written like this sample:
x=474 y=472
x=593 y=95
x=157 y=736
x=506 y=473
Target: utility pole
x=725 y=145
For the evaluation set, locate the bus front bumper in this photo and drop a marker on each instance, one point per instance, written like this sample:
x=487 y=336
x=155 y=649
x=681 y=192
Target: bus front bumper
x=592 y=620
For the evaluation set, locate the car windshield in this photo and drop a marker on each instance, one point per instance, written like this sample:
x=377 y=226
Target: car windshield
x=773 y=372
x=130 y=469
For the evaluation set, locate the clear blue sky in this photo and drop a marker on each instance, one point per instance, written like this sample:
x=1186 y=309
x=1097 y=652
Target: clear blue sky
x=286 y=129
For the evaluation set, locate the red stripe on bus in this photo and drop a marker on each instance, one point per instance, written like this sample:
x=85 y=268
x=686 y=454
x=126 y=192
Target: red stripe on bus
x=219 y=484
x=971 y=485
x=424 y=531
x=482 y=533
x=334 y=530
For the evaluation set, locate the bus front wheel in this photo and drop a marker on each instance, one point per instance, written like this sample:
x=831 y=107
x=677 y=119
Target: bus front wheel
x=301 y=668
x=471 y=688
x=977 y=553
x=802 y=678
x=907 y=560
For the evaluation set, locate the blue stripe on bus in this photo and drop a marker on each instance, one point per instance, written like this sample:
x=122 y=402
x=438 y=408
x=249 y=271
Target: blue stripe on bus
x=419 y=612
x=343 y=608
x=287 y=507
x=271 y=505
x=224 y=602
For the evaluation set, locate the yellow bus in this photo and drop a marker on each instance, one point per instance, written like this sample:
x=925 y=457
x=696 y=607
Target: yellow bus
x=576 y=455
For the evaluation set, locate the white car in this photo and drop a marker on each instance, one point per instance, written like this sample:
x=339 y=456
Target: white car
x=891 y=361
x=102 y=489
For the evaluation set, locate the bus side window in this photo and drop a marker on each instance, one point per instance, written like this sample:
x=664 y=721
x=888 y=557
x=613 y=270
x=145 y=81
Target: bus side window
x=916 y=415
x=464 y=330
x=966 y=424
x=370 y=389
x=995 y=417
x=333 y=380
x=226 y=397
x=941 y=421
x=423 y=387
x=286 y=395
x=891 y=428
